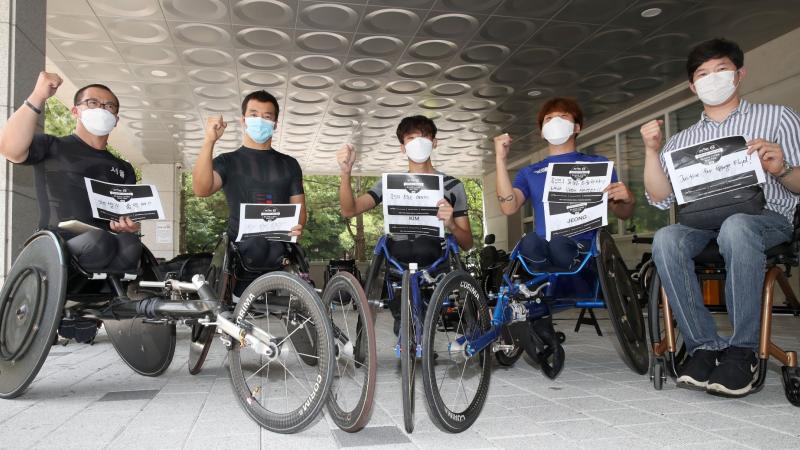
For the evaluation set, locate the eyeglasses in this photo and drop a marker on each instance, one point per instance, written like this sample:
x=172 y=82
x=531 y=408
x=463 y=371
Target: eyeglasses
x=93 y=103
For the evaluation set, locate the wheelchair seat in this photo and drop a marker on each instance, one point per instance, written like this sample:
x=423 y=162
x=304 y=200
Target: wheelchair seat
x=423 y=250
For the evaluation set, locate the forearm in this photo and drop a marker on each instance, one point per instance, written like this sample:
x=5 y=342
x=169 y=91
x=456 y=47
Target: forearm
x=509 y=203
x=17 y=134
x=656 y=182
x=346 y=200
x=623 y=210
x=792 y=180
x=203 y=172
x=463 y=235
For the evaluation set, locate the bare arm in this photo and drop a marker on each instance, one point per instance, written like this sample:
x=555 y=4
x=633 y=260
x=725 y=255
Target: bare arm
x=206 y=181
x=462 y=231
x=17 y=134
x=351 y=206
x=656 y=182
x=511 y=199
x=300 y=199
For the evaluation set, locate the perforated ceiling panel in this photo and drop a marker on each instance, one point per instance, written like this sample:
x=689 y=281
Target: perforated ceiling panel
x=348 y=71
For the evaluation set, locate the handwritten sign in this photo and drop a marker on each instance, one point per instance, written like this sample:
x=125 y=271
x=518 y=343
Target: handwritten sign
x=273 y=222
x=577 y=182
x=111 y=201
x=409 y=204
x=711 y=168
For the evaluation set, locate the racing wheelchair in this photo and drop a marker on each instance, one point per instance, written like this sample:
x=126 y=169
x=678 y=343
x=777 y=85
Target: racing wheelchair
x=669 y=353
x=458 y=325
x=140 y=310
x=346 y=307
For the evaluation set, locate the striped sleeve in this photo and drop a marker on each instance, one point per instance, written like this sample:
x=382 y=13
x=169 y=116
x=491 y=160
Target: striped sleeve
x=789 y=136
x=667 y=202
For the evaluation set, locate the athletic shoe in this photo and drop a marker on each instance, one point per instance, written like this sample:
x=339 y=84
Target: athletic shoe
x=735 y=374
x=695 y=372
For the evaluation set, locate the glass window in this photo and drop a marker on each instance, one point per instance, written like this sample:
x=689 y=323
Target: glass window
x=607 y=148
x=685 y=117
x=646 y=218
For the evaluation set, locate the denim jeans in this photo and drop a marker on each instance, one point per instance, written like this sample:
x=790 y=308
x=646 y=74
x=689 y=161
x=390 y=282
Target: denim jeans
x=743 y=240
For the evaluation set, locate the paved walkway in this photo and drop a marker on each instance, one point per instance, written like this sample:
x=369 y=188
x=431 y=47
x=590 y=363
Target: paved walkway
x=85 y=397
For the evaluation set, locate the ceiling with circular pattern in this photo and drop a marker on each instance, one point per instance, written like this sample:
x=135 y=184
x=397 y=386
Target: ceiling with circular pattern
x=347 y=71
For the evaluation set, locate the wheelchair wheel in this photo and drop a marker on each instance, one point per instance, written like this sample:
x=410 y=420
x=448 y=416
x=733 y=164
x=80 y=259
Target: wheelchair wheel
x=31 y=306
x=147 y=348
x=656 y=329
x=353 y=390
x=376 y=278
x=508 y=358
x=791 y=384
x=622 y=304
x=408 y=351
x=456 y=384
x=202 y=337
x=282 y=393
x=545 y=347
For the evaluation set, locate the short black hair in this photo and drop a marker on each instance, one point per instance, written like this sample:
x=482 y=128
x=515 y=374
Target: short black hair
x=713 y=49
x=263 y=97
x=79 y=94
x=411 y=124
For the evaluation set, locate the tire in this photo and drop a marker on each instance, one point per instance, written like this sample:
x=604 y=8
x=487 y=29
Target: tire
x=354 y=334
x=202 y=337
x=375 y=278
x=656 y=328
x=457 y=310
x=275 y=303
x=658 y=375
x=508 y=359
x=408 y=352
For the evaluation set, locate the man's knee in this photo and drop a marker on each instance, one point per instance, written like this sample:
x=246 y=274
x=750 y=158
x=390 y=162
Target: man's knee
x=666 y=239
x=737 y=230
x=94 y=249
x=129 y=250
x=534 y=248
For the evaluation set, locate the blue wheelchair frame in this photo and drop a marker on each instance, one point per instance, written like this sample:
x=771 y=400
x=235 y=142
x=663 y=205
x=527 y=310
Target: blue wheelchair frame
x=502 y=314
x=418 y=279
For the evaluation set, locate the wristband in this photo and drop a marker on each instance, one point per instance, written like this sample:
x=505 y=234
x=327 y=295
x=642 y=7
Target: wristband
x=33 y=108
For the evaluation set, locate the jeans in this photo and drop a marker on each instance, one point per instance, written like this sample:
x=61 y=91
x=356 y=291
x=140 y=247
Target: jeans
x=743 y=240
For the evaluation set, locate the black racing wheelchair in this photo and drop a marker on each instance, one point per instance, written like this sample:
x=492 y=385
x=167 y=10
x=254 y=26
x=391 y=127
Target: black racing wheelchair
x=279 y=338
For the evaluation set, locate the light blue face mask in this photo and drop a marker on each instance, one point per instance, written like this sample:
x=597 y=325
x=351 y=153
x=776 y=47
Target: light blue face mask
x=259 y=130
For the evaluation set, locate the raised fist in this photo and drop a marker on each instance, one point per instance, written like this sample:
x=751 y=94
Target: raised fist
x=346 y=157
x=652 y=135
x=502 y=144
x=215 y=126
x=46 y=86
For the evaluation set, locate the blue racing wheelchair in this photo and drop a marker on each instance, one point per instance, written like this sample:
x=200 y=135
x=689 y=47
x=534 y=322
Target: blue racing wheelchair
x=459 y=332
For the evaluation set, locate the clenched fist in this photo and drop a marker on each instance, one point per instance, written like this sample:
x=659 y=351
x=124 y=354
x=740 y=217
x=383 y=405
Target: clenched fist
x=502 y=144
x=46 y=86
x=215 y=126
x=346 y=157
x=652 y=135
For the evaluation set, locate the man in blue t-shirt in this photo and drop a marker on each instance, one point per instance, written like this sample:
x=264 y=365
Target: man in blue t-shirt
x=560 y=120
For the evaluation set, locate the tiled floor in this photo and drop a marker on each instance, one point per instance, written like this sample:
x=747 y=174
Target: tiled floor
x=79 y=400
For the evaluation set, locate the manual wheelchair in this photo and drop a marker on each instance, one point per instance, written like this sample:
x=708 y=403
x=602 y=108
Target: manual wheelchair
x=140 y=310
x=346 y=307
x=669 y=353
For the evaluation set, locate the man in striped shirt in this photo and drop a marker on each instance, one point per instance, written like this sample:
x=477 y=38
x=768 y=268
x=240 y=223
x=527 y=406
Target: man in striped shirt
x=724 y=366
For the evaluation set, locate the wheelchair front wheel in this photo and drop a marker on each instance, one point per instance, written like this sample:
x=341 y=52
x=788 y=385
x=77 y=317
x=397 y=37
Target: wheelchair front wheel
x=353 y=390
x=282 y=392
x=456 y=382
x=408 y=351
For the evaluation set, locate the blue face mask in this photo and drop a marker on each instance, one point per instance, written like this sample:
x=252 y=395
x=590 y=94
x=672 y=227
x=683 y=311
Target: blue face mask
x=259 y=130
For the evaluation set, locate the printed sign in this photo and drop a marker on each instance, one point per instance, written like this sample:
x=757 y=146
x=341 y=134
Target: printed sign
x=577 y=182
x=111 y=201
x=273 y=222
x=409 y=204
x=570 y=219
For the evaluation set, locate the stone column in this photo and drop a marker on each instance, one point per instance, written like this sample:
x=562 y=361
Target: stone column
x=22 y=57
x=162 y=236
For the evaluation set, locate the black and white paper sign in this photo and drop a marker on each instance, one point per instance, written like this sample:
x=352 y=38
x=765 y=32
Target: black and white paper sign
x=273 y=222
x=711 y=168
x=577 y=182
x=569 y=219
x=409 y=204
x=111 y=201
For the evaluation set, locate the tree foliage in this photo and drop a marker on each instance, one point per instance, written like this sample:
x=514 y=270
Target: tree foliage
x=204 y=218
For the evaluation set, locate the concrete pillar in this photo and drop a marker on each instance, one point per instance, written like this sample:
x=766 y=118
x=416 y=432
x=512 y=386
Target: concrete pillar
x=22 y=57
x=162 y=236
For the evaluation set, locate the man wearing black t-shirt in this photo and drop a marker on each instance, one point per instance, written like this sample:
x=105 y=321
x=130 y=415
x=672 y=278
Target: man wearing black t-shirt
x=60 y=165
x=255 y=173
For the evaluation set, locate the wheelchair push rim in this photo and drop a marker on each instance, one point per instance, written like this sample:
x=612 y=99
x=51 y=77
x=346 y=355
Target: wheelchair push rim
x=31 y=306
x=623 y=307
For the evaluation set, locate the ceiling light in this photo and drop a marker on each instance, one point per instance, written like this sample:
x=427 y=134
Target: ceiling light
x=651 y=12
x=158 y=73
x=534 y=93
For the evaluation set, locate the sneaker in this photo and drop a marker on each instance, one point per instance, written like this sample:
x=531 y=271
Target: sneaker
x=695 y=372
x=735 y=374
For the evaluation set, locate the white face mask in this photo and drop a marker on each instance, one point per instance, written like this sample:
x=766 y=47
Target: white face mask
x=419 y=149
x=715 y=88
x=98 y=121
x=558 y=130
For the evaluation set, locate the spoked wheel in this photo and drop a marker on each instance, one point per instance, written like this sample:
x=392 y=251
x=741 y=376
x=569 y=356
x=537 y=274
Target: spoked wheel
x=277 y=388
x=508 y=357
x=456 y=379
x=657 y=329
x=353 y=390
x=546 y=349
x=146 y=347
x=31 y=306
x=217 y=277
x=622 y=303
x=408 y=351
